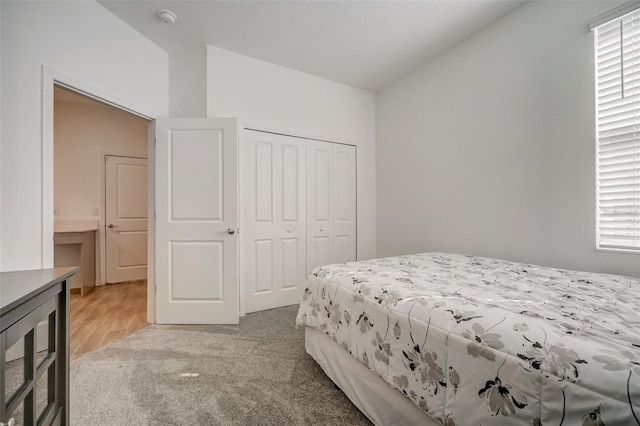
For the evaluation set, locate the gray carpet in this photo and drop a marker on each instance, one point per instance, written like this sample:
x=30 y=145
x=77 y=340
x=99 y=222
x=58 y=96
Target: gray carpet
x=255 y=373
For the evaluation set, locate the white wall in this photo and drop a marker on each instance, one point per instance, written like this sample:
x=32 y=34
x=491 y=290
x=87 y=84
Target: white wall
x=81 y=40
x=281 y=99
x=489 y=149
x=188 y=82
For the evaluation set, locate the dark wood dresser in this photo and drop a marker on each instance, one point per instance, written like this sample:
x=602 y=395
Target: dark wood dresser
x=28 y=298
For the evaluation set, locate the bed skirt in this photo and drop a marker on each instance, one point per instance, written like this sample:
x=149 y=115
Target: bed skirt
x=382 y=404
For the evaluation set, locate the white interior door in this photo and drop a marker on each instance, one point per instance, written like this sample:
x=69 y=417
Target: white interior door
x=126 y=218
x=196 y=221
x=274 y=228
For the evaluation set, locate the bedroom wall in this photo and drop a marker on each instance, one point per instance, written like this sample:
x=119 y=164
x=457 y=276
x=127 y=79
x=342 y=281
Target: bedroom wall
x=188 y=82
x=489 y=149
x=278 y=98
x=81 y=40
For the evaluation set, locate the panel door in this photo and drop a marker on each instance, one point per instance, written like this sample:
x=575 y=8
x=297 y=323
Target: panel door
x=196 y=221
x=331 y=203
x=126 y=218
x=319 y=204
x=343 y=206
x=274 y=228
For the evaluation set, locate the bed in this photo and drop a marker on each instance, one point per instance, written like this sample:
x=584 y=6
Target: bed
x=452 y=339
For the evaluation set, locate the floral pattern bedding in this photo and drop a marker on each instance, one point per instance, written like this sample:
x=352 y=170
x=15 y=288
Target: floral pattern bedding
x=478 y=341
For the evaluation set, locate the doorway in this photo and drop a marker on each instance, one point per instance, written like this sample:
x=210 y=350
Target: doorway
x=88 y=191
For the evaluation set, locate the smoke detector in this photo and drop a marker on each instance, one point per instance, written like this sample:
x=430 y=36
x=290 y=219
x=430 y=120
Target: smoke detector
x=167 y=16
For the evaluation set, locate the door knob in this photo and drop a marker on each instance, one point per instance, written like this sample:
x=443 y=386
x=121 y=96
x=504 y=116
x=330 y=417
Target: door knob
x=111 y=225
x=231 y=231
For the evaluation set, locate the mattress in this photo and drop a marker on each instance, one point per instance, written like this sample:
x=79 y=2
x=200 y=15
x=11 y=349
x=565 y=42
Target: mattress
x=472 y=340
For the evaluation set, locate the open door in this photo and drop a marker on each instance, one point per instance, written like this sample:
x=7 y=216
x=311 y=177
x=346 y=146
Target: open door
x=196 y=221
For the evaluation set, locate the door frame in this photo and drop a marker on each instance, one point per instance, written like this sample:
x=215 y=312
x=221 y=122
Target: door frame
x=102 y=222
x=51 y=77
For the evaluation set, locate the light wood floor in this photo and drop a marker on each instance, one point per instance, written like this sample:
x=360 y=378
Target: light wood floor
x=108 y=314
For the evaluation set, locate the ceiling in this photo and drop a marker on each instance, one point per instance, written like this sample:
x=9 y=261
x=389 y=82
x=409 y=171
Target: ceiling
x=365 y=44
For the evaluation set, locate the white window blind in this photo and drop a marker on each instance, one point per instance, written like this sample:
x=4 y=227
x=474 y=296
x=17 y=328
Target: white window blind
x=617 y=62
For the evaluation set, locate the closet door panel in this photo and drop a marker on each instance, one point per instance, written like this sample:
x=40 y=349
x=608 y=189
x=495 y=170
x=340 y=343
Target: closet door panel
x=274 y=228
x=290 y=171
x=293 y=222
x=321 y=249
x=292 y=258
x=263 y=266
x=342 y=249
x=344 y=203
x=263 y=181
x=319 y=165
x=259 y=228
x=322 y=198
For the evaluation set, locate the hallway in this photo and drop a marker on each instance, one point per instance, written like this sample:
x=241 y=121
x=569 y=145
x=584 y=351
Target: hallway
x=110 y=313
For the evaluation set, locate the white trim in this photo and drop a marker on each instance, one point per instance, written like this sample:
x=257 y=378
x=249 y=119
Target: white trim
x=151 y=224
x=51 y=77
x=596 y=162
x=241 y=223
x=618 y=250
x=46 y=257
x=296 y=134
x=614 y=13
x=89 y=92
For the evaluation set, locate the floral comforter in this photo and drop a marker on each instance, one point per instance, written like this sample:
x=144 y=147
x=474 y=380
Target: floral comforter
x=478 y=341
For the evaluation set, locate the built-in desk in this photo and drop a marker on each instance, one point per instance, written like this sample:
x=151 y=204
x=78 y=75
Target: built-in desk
x=28 y=298
x=83 y=234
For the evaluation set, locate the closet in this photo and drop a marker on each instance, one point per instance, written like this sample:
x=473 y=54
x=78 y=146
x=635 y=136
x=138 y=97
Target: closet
x=298 y=212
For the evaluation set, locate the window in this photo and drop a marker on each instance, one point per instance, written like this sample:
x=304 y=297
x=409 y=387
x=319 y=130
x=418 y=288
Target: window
x=617 y=66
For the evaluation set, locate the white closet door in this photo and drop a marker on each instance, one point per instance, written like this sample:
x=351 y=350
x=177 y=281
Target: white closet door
x=331 y=203
x=319 y=206
x=274 y=229
x=343 y=220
